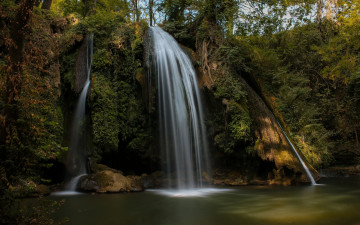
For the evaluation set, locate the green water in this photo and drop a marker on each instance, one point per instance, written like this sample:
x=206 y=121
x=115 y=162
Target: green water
x=335 y=203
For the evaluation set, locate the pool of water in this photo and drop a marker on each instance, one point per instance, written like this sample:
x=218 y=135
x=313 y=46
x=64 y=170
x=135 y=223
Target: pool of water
x=336 y=202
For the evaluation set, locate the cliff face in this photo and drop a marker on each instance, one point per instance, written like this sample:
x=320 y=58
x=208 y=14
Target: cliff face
x=80 y=68
x=247 y=142
x=271 y=144
x=37 y=132
x=265 y=139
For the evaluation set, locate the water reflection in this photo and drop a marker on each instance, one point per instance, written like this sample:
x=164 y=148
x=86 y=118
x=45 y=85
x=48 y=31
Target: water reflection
x=335 y=203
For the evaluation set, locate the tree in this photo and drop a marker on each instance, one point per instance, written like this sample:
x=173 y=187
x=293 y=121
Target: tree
x=319 y=10
x=135 y=10
x=15 y=68
x=151 y=12
x=46 y=4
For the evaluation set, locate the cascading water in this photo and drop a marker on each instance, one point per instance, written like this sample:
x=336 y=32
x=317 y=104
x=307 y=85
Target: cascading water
x=181 y=122
x=76 y=159
x=307 y=171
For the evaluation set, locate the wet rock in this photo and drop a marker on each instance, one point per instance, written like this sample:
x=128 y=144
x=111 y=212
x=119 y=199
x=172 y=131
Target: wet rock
x=154 y=180
x=107 y=180
x=42 y=190
x=89 y=185
x=231 y=178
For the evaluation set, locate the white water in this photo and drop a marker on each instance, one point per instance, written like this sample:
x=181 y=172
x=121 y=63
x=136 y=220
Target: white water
x=76 y=159
x=196 y=192
x=71 y=185
x=307 y=171
x=181 y=123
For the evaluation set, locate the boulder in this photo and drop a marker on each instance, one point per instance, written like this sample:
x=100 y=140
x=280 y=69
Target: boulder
x=107 y=180
x=42 y=190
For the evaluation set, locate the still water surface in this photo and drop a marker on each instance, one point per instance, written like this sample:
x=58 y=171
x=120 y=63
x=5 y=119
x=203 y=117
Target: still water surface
x=337 y=202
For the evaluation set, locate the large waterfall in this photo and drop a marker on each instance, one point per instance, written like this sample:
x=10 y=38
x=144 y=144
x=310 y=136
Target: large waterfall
x=181 y=122
x=76 y=159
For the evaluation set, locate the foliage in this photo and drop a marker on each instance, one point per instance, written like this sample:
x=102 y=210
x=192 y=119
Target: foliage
x=38 y=131
x=33 y=125
x=104 y=113
x=117 y=111
x=229 y=88
x=35 y=211
x=236 y=130
x=293 y=66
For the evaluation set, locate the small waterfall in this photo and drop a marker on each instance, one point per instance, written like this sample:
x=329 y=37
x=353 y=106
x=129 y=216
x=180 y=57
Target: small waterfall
x=72 y=184
x=181 y=122
x=76 y=159
x=307 y=171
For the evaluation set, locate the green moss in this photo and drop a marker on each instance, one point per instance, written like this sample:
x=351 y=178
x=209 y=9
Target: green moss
x=240 y=122
x=236 y=132
x=104 y=113
x=118 y=113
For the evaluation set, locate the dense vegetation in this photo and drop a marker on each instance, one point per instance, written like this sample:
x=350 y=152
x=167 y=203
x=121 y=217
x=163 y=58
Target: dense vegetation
x=301 y=57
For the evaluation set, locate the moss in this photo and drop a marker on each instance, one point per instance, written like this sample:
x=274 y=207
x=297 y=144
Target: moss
x=240 y=122
x=103 y=179
x=119 y=121
x=237 y=128
x=104 y=114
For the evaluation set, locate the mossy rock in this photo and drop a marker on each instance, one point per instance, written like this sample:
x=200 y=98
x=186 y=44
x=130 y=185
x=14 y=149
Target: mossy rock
x=107 y=180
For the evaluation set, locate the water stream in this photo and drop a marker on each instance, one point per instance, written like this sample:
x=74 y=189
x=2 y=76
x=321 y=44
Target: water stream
x=181 y=122
x=76 y=159
x=306 y=169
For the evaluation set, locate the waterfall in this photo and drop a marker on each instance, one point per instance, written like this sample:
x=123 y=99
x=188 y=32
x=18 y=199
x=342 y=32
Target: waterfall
x=181 y=123
x=307 y=171
x=76 y=159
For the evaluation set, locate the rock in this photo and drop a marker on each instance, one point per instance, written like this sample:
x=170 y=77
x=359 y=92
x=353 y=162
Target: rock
x=341 y=171
x=231 y=178
x=154 y=180
x=256 y=181
x=88 y=185
x=107 y=180
x=42 y=190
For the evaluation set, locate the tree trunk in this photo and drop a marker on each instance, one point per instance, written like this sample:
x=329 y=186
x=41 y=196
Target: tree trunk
x=89 y=8
x=151 y=12
x=46 y=4
x=137 y=11
x=319 y=10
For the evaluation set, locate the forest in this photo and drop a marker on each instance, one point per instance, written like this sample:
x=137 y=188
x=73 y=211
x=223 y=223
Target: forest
x=271 y=74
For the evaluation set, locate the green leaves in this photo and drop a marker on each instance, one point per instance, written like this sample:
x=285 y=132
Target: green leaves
x=240 y=122
x=104 y=113
x=117 y=111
